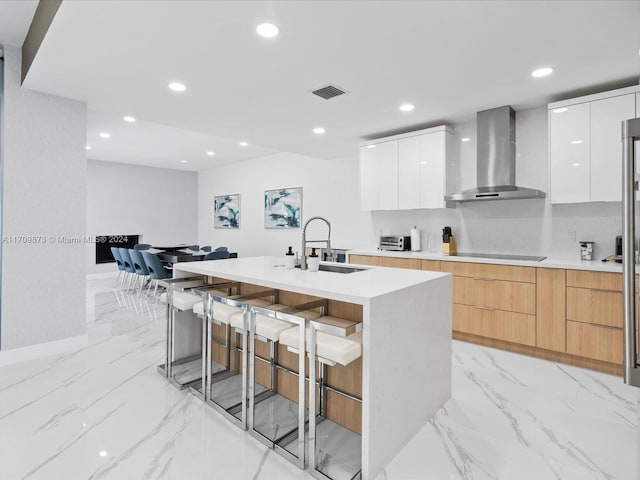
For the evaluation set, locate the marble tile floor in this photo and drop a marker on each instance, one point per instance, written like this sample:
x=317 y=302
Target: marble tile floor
x=103 y=412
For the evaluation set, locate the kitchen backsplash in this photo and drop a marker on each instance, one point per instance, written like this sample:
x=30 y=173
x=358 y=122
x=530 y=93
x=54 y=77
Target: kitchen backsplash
x=526 y=227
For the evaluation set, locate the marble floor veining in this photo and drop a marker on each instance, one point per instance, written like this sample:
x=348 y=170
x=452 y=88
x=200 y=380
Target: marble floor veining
x=103 y=412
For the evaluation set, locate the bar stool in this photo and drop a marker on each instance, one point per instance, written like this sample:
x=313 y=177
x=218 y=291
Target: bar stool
x=265 y=418
x=332 y=342
x=182 y=346
x=230 y=393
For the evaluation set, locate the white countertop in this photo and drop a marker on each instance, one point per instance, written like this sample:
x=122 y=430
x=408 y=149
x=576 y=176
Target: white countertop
x=357 y=287
x=593 y=265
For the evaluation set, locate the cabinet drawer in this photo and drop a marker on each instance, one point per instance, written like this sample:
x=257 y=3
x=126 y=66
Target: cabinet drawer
x=496 y=272
x=365 y=260
x=594 y=341
x=600 y=307
x=498 y=324
x=497 y=294
x=413 y=263
x=597 y=280
x=431 y=265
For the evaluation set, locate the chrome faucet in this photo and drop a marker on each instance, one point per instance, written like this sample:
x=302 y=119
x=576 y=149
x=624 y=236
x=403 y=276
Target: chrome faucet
x=303 y=260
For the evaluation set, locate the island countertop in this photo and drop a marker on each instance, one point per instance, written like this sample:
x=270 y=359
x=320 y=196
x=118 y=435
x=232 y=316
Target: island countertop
x=357 y=287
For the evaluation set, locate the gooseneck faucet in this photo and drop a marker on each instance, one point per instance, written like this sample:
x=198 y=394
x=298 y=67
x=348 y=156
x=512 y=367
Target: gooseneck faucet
x=303 y=260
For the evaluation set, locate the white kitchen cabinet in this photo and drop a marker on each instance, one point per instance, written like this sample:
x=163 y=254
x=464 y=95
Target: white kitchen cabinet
x=606 y=146
x=379 y=176
x=407 y=171
x=569 y=152
x=585 y=147
x=422 y=169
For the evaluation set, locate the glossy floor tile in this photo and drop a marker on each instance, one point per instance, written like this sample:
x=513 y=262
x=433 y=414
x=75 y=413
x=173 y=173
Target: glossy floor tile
x=103 y=412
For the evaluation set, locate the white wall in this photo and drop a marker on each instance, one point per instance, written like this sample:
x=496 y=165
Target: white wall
x=44 y=197
x=157 y=203
x=329 y=189
x=532 y=227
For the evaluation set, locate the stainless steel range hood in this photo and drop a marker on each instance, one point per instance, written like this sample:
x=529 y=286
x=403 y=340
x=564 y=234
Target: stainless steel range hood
x=496 y=161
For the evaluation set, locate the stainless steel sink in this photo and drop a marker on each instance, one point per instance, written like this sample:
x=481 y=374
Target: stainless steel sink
x=338 y=268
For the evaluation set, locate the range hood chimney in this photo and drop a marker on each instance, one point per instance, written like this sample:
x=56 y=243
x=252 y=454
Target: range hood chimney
x=496 y=160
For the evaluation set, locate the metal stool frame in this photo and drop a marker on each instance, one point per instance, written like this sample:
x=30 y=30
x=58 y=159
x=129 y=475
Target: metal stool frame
x=316 y=326
x=288 y=316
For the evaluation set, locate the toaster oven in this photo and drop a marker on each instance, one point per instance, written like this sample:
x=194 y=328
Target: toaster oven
x=395 y=242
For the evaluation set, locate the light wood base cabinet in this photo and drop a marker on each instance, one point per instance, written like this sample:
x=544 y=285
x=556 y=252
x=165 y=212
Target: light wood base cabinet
x=594 y=341
x=551 y=309
x=571 y=316
x=498 y=324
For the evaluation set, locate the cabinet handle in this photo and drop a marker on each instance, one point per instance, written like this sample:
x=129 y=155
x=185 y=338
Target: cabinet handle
x=484 y=279
x=605 y=290
x=484 y=308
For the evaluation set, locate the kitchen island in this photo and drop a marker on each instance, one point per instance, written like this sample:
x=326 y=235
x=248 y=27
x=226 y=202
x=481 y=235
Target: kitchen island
x=406 y=350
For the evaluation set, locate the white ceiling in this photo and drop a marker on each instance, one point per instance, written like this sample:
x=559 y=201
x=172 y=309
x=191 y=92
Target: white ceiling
x=15 y=18
x=449 y=58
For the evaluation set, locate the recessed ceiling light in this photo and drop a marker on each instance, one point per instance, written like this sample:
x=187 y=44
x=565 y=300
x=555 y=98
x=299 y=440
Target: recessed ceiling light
x=576 y=142
x=267 y=30
x=560 y=110
x=183 y=161
x=211 y=154
x=87 y=147
x=542 y=72
x=243 y=144
x=465 y=139
x=576 y=164
x=371 y=146
x=407 y=107
x=129 y=119
x=318 y=130
x=103 y=453
x=104 y=135
x=424 y=163
x=177 y=87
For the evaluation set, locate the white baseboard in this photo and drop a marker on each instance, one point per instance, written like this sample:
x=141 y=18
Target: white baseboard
x=23 y=354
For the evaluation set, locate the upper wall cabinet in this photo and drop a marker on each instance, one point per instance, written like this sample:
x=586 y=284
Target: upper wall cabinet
x=379 y=176
x=407 y=171
x=585 y=146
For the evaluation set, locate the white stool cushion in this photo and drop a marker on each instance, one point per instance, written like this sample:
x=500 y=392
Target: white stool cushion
x=342 y=350
x=222 y=312
x=267 y=327
x=182 y=300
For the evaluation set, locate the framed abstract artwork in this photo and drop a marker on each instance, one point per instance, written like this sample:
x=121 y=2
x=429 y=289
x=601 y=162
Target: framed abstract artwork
x=283 y=208
x=226 y=211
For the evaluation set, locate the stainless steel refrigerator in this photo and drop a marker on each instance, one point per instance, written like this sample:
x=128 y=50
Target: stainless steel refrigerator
x=630 y=182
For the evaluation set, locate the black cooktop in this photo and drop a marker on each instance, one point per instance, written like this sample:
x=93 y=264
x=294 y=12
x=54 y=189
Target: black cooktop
x=528 y=258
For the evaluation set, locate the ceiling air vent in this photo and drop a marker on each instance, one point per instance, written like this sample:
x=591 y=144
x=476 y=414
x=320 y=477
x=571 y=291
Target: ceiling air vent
x=329 y=92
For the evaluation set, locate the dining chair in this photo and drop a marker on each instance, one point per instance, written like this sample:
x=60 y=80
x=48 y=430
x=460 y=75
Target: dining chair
x=128 y=265
x=157 y=271
x=216 y=255
x=116 y=256
x=140 y=267
x=206 y=248
x=142 y=246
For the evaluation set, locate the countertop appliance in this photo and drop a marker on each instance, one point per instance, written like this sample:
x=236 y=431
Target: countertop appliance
x=496 y=159
x=630 y=359
x=395 y=242
x=337 y=255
